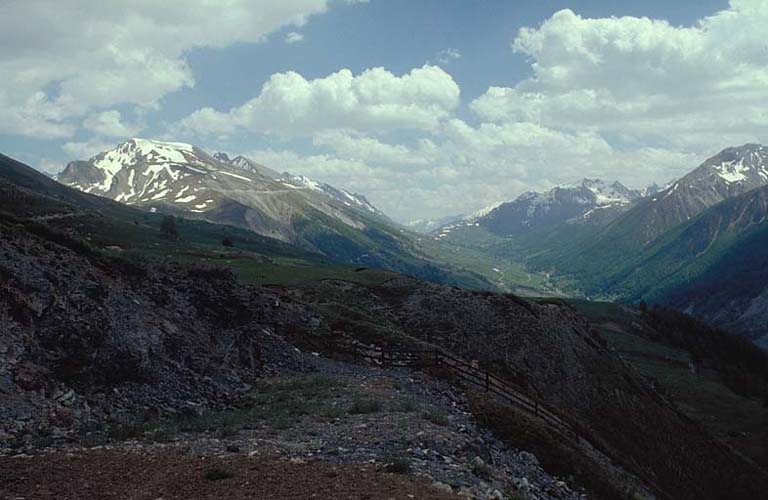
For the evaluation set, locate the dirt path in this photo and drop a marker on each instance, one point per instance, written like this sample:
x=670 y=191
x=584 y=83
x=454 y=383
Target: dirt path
x=112 y=474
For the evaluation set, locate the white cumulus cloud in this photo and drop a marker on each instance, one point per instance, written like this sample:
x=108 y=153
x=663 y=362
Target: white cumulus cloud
x=110 y=124
x=376 y=99
x=84 y=150
x=644 y=80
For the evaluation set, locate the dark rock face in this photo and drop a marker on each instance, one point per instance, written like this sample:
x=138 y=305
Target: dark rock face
x=102 y=336
x=82 y=172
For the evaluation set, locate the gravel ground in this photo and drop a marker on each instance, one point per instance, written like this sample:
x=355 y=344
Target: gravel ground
x=334 y=414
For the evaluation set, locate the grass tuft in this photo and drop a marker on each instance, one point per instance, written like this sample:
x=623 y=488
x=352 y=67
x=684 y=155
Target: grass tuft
x=397 y=464
x=365 y=406
x=436 y=417
x=217 y=474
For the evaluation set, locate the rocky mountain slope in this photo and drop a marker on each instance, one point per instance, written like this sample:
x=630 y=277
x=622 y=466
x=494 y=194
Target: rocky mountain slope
x=96 y=344
x=98 y=347
x=731 y=172
x=88 y=337
x=182 y=179
x=550 y=352
x=591 y=202
x=537 y=210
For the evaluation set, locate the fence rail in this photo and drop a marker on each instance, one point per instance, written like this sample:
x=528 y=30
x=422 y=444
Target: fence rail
x=468 y=373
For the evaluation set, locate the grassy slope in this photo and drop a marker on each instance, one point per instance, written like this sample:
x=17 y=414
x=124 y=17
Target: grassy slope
x=740 y=421
x=384 y=245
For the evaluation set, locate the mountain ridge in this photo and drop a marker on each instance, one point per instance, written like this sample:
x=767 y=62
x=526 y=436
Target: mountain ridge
x=589 y=201
x=182 y=179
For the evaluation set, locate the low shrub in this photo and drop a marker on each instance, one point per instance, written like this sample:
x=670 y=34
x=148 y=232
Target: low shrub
x=364 y=406
x=397 y=464
x=217 y=474
x=436 y=417
x=481 y=470
x=405 y=405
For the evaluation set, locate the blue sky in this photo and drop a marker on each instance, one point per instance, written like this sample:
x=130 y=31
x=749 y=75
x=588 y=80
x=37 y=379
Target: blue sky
x=638 y=91
x=400 y=35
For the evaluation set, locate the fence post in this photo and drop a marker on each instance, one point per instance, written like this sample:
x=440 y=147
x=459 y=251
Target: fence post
x=383 y=357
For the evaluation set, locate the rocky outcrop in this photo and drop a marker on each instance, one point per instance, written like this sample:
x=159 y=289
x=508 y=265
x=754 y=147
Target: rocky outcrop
x=88 y=339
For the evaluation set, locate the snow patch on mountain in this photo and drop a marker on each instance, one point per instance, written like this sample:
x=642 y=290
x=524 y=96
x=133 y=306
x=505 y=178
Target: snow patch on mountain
x=236 y=176
x=484 y=211
x=352 y=200
x=607 y=194
x=737 y=170
x=302 y=181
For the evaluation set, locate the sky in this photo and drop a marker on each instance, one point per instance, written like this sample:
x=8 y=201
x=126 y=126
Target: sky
x=428 y=107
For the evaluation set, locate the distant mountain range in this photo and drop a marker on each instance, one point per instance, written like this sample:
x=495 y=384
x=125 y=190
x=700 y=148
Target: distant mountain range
x=182 y=179
x=536 y=210
x=695 y=244
x=590 y=201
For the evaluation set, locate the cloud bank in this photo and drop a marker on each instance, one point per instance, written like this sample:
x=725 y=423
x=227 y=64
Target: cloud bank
x=61 y=60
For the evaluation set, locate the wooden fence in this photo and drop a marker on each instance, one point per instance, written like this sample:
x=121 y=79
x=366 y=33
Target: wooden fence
x=468 y=373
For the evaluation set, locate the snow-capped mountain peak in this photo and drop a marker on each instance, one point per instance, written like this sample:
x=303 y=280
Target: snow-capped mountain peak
x=301 y=181
x=126 y=171
x=748 y=163
x=136 y=150
x=606 y=193
x=177 y=176
x=731 y=172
